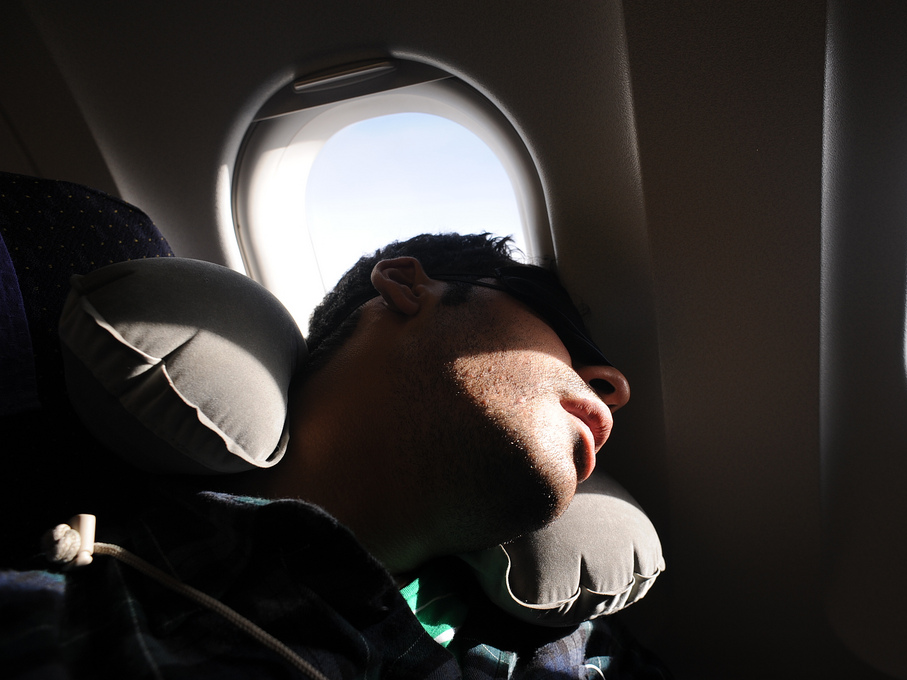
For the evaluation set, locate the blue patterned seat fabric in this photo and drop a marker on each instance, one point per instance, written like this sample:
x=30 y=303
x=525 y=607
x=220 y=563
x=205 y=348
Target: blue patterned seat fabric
x=53 y=230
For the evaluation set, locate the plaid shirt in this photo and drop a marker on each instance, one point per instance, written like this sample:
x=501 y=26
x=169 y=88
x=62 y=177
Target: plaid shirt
x=294 y=571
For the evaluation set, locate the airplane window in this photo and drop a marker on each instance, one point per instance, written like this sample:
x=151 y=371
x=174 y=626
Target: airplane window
x=395 y=176
x=317 y=187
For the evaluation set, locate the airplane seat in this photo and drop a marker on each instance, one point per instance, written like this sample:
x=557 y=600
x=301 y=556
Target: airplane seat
x=50 y=230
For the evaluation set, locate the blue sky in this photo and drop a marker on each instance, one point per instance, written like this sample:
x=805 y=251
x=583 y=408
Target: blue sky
x=396 y=176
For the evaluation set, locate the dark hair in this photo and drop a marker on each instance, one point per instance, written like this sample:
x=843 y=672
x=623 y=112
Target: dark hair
x=335 y=318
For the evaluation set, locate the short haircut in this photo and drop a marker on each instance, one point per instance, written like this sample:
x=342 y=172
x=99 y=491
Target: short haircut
x=335 y=318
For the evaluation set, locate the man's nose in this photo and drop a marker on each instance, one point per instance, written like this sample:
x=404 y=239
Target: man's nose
x=609 y=384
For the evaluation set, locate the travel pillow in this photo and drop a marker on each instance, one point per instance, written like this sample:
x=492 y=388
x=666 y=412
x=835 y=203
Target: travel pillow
x=183 y=366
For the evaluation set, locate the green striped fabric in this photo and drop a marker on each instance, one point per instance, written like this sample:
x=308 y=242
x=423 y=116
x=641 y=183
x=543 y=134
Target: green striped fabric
x=436 y=604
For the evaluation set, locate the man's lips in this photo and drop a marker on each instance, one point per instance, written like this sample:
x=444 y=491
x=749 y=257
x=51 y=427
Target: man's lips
x=595 y=426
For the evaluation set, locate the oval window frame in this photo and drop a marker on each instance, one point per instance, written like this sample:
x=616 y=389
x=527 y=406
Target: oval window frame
x=277 y=155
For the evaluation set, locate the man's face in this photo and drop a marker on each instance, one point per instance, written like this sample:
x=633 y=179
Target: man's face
x=512 y=425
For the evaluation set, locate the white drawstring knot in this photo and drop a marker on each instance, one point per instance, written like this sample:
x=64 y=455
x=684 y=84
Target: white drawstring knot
x=71 y=544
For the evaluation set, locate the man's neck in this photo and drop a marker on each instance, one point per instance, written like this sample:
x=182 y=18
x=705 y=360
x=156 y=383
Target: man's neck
x=339 y=459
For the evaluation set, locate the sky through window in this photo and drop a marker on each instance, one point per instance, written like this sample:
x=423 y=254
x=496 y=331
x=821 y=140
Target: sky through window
x=395 y=176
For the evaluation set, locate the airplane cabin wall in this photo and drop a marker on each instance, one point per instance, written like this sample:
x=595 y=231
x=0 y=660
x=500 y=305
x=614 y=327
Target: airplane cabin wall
x=680 y=148
x=864 y=305
x=729 y=101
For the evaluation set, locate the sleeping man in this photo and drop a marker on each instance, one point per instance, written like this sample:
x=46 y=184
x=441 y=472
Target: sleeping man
x=451 y=401
x=440 y=416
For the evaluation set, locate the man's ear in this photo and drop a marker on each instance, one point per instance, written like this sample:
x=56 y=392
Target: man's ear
x=401 y=282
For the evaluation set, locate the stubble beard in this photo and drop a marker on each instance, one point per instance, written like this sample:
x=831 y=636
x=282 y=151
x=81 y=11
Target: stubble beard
x=477 y=476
